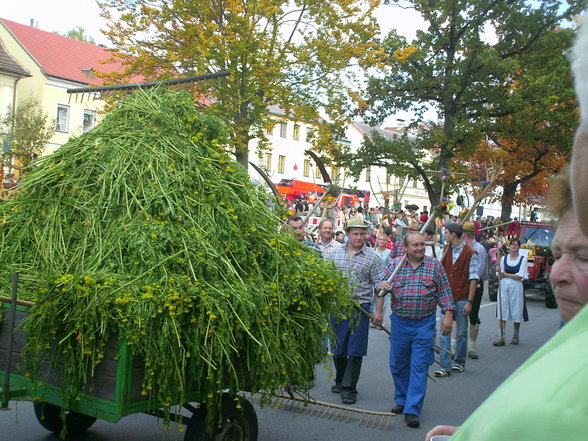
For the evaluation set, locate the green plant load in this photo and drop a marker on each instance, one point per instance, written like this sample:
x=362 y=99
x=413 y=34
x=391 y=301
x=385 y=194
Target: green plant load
x=145 y=228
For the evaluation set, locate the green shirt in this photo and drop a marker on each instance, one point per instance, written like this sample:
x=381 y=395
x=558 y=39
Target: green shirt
x=546 y=399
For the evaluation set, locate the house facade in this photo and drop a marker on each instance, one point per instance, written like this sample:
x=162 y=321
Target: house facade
x=53 y=64
x=285 y=158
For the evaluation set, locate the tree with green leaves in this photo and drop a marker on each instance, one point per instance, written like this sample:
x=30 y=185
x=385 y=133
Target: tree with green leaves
x=536 y=135
x=24 y=132
x=78 y=33
x=463 y=66
x=295 y=55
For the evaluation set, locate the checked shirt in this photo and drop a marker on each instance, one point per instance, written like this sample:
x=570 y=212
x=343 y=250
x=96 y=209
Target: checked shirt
x=363 y=270
x=417 y=292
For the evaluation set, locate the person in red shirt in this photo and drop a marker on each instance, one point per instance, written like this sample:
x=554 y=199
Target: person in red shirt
x=418 y=288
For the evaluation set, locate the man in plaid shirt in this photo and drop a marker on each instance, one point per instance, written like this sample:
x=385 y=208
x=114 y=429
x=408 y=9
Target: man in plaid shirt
x=420 y=285
x=362 y=265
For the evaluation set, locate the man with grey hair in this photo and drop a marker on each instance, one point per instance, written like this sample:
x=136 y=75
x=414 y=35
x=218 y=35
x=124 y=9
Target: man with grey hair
x=326 y=241
x=418 y=288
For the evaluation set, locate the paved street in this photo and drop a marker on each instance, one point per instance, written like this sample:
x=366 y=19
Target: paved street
x=449 y=400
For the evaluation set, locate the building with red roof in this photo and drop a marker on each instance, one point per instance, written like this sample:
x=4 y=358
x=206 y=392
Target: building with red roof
x=44 y=65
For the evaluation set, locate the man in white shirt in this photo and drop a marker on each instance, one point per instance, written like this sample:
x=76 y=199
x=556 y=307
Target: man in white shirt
x=432 y=249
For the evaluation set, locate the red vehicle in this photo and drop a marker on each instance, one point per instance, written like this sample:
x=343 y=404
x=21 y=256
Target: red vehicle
x=536 y=238
x=293 y=189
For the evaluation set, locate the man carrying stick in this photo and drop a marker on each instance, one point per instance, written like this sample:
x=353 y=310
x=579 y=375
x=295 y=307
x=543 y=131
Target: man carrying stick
x=419 y=286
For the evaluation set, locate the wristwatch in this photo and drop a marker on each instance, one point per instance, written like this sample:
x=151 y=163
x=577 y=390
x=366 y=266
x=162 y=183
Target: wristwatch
x=470 y=301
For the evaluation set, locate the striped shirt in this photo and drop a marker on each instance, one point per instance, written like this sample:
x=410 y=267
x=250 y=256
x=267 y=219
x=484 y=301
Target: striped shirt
x=418 y=291
x=362 y=269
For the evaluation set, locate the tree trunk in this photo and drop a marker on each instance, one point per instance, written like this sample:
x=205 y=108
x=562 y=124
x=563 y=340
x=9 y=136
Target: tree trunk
x=507 y=200
x=242 y=157
x=241 y=148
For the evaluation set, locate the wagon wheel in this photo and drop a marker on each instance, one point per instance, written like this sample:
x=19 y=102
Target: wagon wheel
x=49 y=417
x=237 y=424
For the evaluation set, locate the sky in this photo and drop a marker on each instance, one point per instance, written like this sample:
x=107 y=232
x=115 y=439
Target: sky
x=64 y=15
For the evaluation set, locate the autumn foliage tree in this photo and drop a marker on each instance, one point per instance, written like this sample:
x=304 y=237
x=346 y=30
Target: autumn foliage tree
x=464 y=67
x=535 y=136
x=294 y=54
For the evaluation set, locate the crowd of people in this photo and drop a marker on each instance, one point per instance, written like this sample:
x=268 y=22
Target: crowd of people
x=417 y=277
x=420 y=278
x=429 y=277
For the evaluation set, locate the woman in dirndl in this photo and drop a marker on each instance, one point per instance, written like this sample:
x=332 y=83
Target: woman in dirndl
x=512 y=270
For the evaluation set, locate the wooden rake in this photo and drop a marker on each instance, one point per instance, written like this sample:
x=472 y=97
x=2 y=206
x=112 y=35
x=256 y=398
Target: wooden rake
x=306 y=405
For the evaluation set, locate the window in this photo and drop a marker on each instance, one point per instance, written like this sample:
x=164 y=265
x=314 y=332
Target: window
x=335 y=173
x=306 y=167
x=415 y=184
x=368 y=174
x=317 y=172
x=296 y=134
x=309 y=134
x=270 y=130
x=388 y=178
x=268 y=162
x=89 y=120
x=283 y=129
x=281 y=163
x=61 y=122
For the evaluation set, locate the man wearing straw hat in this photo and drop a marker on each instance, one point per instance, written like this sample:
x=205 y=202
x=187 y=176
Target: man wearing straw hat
x=419 y=286
x=362 y=265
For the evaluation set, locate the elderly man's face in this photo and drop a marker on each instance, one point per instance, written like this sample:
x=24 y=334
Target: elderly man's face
x=569 y=274
x=326 y=232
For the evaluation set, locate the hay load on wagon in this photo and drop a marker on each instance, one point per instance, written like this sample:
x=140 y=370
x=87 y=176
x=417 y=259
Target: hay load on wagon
x=145 y=228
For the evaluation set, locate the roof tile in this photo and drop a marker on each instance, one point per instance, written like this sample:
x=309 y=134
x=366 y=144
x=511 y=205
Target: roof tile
x=74 y=58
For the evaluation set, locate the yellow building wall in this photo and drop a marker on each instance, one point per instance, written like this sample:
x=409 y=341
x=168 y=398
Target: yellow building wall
x=50 y=93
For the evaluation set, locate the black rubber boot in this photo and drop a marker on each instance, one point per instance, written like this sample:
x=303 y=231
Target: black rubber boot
x=340 y=366
x=349 y=383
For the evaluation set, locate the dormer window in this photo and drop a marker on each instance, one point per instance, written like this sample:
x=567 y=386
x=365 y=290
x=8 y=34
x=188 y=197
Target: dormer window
x=89 y=73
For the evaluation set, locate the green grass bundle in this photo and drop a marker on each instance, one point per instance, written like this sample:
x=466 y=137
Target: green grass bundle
x=145 y=228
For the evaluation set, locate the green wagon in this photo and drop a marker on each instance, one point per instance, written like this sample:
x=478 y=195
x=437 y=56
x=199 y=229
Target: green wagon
x=116 y=390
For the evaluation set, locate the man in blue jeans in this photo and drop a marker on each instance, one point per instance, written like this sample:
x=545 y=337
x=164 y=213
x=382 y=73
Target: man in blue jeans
x=461 y=265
